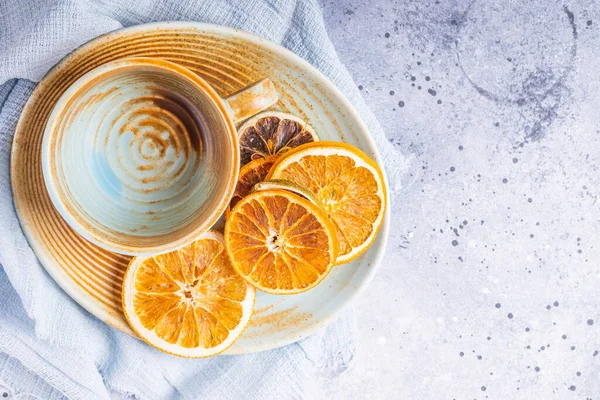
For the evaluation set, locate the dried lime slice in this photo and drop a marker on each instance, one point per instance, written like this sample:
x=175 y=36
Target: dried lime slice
x=271 y=133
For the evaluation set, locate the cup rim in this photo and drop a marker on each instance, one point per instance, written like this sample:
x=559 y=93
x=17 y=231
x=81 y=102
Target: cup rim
x=73 y=219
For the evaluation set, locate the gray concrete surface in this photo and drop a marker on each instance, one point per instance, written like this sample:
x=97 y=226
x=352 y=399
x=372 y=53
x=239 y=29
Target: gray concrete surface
x=491 y=286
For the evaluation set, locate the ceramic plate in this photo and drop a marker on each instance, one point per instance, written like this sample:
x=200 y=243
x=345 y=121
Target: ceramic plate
x=228 y=59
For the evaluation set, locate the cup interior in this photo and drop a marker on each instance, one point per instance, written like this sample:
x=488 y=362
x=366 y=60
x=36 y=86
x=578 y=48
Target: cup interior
x=140 y=155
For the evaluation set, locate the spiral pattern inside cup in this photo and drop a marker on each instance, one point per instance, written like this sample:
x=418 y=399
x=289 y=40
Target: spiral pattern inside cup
x=143 y=153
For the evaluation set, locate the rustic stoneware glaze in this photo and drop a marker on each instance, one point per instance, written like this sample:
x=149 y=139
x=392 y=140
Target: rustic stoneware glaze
x=228 y=60
x=141 y=156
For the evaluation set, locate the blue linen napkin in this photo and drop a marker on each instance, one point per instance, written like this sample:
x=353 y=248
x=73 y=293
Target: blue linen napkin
x=51 y=348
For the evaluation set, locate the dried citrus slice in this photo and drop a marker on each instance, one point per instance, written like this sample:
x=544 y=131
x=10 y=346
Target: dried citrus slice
x=190 y=302
x=272 y=133
x=349 y=185
x=280 y=242
x=289 y=186
x=251 y=174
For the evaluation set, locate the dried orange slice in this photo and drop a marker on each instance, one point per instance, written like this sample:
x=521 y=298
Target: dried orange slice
x=251 y=174
x=280 y=242
x=349 y=185
x=272 y=133
x=289 y=186
x=190 y=302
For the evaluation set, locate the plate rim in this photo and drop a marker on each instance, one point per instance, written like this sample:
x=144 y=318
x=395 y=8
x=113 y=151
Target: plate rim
x=85 y=301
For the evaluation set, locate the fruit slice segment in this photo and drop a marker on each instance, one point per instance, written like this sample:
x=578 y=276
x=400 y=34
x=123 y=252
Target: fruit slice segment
x=251 y=174
x=280 y=242
x=272 y=133
x=189 y=302
x=349 y=185
x=289 y=186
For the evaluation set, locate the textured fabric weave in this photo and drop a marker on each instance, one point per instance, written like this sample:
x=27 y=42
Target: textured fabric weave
x=50 y=347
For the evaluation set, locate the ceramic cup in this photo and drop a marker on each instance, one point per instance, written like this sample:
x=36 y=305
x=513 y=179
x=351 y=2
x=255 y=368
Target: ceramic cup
x=140 y=155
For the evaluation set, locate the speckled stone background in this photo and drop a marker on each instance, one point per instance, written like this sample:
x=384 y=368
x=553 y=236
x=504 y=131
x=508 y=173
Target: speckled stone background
x=491 y=285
